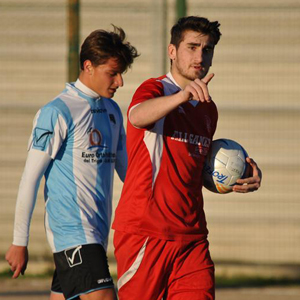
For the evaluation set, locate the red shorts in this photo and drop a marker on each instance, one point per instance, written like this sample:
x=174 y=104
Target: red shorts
x=154 y=269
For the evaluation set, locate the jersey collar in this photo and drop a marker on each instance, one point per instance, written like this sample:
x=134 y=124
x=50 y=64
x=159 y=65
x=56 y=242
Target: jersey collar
x=83 y=88
x=170 y=76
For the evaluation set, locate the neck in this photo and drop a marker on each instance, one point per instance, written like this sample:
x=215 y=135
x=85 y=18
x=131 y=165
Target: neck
x=82 y=86
x=182 y=82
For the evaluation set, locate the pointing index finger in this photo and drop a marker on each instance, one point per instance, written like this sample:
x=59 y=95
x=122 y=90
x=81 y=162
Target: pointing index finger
x=208 y=78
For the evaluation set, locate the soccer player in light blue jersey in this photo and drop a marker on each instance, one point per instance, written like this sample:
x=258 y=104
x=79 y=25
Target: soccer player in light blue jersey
x=77 y=142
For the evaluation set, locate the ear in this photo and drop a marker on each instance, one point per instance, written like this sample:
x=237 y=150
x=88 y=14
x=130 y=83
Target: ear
x=88 y=67
x=172 y=51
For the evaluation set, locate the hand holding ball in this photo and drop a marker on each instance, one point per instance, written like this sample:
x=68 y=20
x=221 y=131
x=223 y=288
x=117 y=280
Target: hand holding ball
x=225 y=164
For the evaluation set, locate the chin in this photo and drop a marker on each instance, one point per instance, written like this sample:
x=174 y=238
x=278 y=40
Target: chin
x=193 y=77
x=107 y=95
x=200 y=74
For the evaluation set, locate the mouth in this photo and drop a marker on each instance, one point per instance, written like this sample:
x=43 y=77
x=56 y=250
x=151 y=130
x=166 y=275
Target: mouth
x=198 y=68
x=112 y=90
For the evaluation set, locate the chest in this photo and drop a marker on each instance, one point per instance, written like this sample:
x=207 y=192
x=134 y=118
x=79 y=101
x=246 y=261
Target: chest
x=94 y=128
x=191 y=123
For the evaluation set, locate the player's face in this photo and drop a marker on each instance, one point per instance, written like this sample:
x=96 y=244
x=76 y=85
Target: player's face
x=193 y=58
x=106 y=78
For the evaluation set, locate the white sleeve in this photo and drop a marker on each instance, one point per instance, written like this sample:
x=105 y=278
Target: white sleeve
x=36 y=165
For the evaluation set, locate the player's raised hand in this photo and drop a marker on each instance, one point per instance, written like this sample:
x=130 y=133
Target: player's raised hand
x=17 y=258
x=251 y=183
x=198 y=90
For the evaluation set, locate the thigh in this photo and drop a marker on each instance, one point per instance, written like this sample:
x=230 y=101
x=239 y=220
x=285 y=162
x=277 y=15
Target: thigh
x=193 y=274
x=144 y=264
x=55 y=296
x=105 y=294
x=81 y=270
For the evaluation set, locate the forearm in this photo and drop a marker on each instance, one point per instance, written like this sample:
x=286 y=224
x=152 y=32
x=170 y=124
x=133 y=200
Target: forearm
x=36 y=164
x=152 y=110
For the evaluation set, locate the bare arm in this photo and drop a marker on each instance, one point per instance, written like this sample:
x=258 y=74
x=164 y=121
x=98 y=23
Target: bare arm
x=150 y=111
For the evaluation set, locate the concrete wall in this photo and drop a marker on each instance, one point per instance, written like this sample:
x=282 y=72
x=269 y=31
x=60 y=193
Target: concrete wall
x=256 y=87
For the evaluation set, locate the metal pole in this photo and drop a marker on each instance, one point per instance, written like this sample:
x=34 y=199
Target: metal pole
x=181 y=8
x=165 y=35
x=73 y=39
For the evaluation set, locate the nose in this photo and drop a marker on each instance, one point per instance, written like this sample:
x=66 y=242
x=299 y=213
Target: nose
x=199 y=56
x=119 y=80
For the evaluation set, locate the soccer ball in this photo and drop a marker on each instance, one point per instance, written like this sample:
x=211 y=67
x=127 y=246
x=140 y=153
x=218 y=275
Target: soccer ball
x=224 y=164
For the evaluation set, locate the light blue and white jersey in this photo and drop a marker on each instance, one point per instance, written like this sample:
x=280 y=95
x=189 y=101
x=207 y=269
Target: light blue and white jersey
x=85 y=138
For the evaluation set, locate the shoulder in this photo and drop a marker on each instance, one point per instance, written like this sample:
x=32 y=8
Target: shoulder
x=213 y=107
x=157 y=82
x=113 y=108
x=56 y=108
x=108 y=102
x=149 y=89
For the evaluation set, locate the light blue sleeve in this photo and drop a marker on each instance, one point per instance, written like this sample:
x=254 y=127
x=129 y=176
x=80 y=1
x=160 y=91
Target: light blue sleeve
x=121 y=161
x=49 y=131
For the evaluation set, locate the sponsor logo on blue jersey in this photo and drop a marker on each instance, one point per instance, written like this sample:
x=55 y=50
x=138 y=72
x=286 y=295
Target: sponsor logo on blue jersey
x=98 y=110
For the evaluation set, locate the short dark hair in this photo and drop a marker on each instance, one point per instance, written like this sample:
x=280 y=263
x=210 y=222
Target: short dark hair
x=102 y=45
x=194 y=23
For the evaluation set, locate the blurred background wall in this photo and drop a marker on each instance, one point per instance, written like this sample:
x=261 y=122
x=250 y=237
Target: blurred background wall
x=256 y=87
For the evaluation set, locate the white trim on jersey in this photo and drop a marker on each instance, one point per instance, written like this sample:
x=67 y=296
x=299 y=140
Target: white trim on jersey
x=153 y=140
x=134 y=267
x=171 y=78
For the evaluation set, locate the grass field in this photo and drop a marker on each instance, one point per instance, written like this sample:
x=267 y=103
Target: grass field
x=235 y=284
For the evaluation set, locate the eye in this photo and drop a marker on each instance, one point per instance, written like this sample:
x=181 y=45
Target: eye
x=208 y=50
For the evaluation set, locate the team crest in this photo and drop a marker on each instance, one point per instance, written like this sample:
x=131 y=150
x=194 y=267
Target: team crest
x=95 y=137
x=112 y=118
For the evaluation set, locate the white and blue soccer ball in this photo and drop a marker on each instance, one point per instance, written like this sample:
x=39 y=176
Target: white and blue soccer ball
x=224 y=165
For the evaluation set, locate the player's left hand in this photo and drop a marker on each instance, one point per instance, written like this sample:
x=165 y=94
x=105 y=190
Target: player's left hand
x=17 y=258
x=251 y=183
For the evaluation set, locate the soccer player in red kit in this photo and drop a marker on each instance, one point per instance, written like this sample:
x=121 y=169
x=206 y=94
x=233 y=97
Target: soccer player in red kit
x=160 y=238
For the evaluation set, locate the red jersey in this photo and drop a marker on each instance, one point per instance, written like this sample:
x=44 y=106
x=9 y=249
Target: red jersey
x=162 y=192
